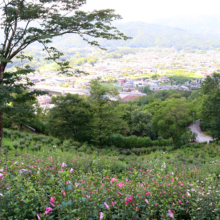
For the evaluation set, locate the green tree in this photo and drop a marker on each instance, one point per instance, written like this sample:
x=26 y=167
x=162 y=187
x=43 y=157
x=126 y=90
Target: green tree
x=107 y=119
x=147 y=90
x=171 y=119
x=22 y=109
x=210 y=113
x=25 y=22
x=141 y=122
x=211 y=83
x=70 y=117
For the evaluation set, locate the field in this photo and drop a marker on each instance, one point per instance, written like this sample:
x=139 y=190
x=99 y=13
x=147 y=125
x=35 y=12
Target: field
x=177 y=75
x=111 y=85
x=43 y=178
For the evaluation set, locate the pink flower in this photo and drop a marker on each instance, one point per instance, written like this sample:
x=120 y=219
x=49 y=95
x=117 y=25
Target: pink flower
x=71 y=170
x=146 y=201
x=120 y=184
x=172 y=179
x=126 y=180
x=101 y=215
x=171 y=215
x=148 y=193
x=130 y=198
x=38 y=217
x=113 y=180
x=48 y=210
x=180 y=202
x=52 y=204
x=77 y=219
x=106 y=205
x=64 y=165
x=113 y=203
x=136 y=208
x=52 y=199
x=119 y=193
x=1 y=175
x=68 y=182
x=182 y=197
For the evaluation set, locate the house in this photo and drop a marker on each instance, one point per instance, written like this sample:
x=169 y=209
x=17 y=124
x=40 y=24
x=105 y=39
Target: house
x=184 y=88
x=44 y=99
x=164 y=79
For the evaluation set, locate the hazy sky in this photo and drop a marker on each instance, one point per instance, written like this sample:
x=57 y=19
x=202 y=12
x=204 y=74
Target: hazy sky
x=149 y=10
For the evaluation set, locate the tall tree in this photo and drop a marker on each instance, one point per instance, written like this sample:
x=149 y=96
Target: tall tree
x=171 y=119
x=70 y=117
x=25 y=22
x=107 y=119
x=210 y=113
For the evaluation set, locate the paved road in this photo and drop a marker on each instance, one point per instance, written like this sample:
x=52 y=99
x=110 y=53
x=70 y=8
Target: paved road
x=196 y=129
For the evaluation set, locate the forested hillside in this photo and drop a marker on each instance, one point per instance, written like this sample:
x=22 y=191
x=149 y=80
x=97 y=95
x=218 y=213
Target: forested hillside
x=148 y=35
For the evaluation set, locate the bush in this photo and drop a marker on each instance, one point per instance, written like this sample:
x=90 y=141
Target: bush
x=7 y=122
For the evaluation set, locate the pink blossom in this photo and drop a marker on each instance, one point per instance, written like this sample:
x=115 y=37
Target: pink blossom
x=101 y=215
x=48 y=210
x=171 y=215
x=180 y=202
x=71 y=170
x=120 y=193
x=106 y=205
x=172 y=179
x=113 y=203
x=182 y=197
x=52 y=199
x=68 y=182
x=148 y=193
x=136 y=208
x=130 y=198
x=146 y=201
x=64 y=165
x=52 y=204
x=1 y=175
x=120 y=184
x=113 y=180
x=38 y=217
x=126 y=180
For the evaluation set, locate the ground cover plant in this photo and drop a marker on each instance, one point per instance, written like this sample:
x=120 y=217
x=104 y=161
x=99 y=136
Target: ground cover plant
x=49 y=179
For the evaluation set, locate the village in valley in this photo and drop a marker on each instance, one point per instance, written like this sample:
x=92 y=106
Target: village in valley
x=156 y=69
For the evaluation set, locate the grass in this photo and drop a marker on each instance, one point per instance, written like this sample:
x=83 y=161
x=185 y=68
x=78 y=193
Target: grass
x=111 y=85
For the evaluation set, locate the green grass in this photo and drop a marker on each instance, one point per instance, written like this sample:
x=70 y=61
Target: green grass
x=111 y=85
x=181 y=72
x=6 y=142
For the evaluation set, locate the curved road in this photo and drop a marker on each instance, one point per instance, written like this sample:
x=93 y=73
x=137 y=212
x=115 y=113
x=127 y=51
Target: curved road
x=196 y=129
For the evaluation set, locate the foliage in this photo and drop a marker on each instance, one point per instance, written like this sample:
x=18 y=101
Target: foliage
x=171 y=119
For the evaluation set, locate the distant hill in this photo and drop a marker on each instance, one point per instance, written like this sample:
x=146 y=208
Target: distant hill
x=200 y=32
x=206 y=25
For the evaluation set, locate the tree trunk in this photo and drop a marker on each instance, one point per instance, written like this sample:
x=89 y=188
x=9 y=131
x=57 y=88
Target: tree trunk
x=2 y=69
x=173 y=142
x=1 y=128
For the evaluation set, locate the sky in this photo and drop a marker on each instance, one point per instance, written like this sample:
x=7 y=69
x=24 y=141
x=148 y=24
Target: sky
x=151 y=10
